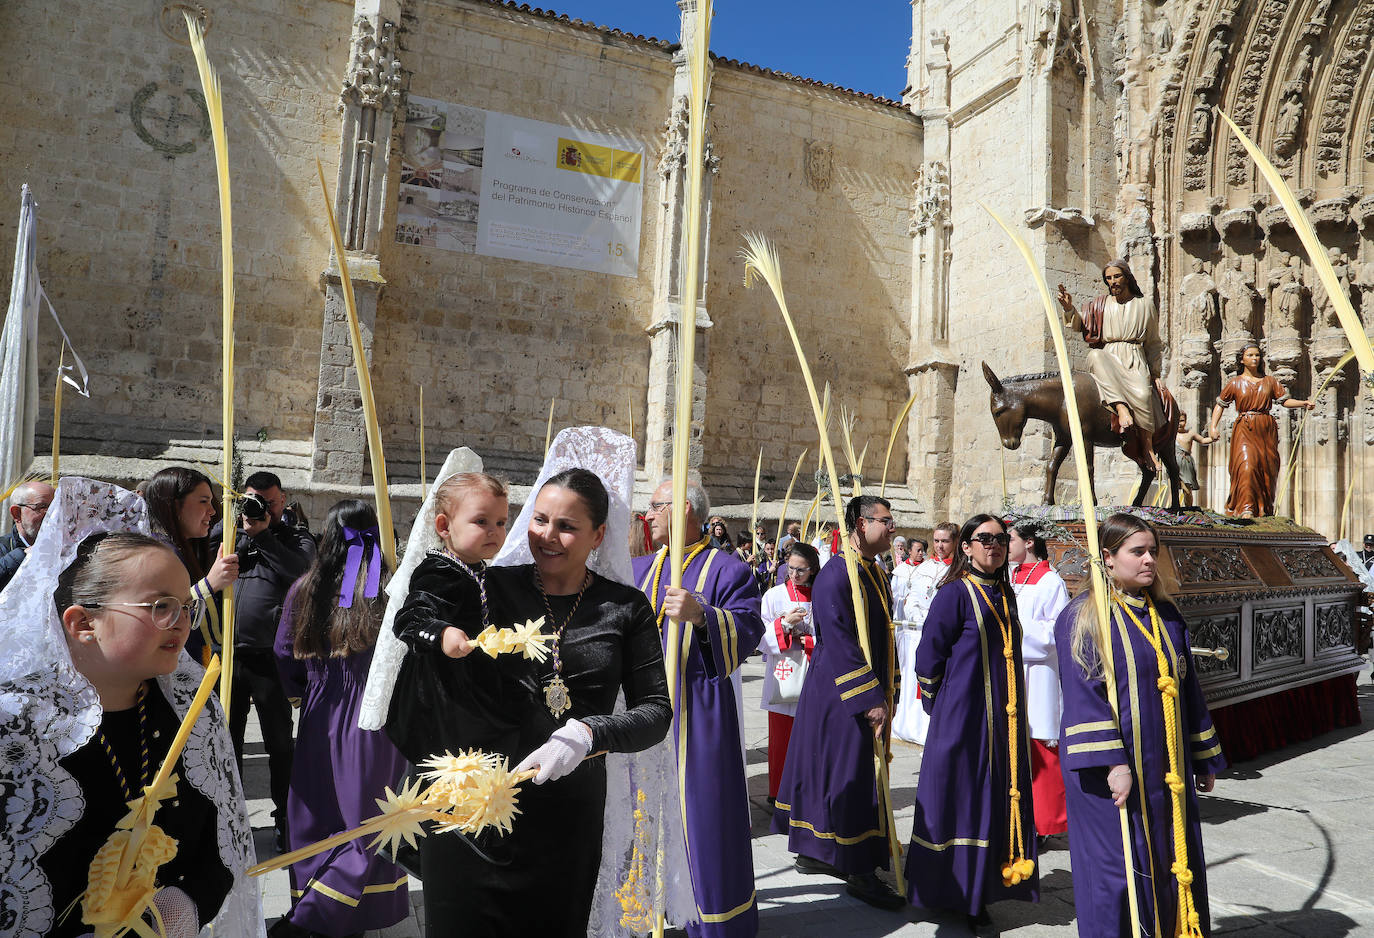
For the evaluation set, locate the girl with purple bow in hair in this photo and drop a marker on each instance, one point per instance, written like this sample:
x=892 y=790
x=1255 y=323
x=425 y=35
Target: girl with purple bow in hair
x=324 y=646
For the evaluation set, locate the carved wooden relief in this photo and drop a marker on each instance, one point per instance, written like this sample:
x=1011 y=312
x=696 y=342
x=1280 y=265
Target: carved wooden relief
x=1306 y=563
x=1334 y=626
x=1278 y=633
x=1213 y=565
x=1217 y=631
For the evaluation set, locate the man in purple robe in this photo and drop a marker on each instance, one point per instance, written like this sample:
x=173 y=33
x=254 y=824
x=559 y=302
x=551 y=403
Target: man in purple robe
x=828 y=797
x=718 y=607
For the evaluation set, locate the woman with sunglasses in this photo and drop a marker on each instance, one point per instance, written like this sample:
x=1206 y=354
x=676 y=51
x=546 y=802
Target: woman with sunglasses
x=973 y=837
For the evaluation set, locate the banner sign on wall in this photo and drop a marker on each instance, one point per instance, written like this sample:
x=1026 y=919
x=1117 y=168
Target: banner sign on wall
x=487 y=183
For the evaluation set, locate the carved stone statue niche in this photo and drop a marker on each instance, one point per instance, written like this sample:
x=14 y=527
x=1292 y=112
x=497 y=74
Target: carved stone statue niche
x=1286 y=292
x=1210 y=75
x=1288 y=125
x=1323 y=309
x=1199 y=294
x=1198 y=309
x=1238 y=298
x=1200 y=127
x=1365 y=282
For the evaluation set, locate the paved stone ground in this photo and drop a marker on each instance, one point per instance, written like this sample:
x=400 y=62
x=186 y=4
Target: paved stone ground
x=1287 y=841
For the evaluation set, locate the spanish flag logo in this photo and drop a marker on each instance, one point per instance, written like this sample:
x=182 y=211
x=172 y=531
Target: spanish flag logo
x=596 y=160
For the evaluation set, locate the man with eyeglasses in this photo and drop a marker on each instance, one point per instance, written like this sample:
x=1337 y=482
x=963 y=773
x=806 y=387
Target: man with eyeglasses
x=28 y=506
x=718 y=608
x=828 y=799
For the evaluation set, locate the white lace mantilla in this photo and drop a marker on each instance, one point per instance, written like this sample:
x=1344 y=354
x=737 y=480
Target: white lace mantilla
x=48 y=710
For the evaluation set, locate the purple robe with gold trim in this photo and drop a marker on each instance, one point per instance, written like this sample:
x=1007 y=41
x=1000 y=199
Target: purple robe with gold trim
x=828 y=798
x=1093 y=739
x=961 y=830
x=706 y=729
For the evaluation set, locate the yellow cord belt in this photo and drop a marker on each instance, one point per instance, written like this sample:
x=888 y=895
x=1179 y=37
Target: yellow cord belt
x=1017 y=868
x=656 y=574
x=1189 y=921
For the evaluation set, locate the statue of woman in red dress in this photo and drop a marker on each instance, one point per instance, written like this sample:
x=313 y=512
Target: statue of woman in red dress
x=1254 y=465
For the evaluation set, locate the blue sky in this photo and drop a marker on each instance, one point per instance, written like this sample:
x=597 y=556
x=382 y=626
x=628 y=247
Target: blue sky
x=832 y=42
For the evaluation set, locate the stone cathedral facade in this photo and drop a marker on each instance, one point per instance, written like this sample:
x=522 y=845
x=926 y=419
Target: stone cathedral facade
x=1094 y=124
x=1090 y=123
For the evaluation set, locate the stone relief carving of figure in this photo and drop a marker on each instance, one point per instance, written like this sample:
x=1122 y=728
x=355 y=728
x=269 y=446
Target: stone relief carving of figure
x=1200 y=128
x=1238 y=297
x=819 y=163
x=1286 y=291
x=1323 y=309
x=1164 y=35
x=1365 y=281
x=1300 y=73
x=1199 y=293
x=1288 y=123
x=1216 y=55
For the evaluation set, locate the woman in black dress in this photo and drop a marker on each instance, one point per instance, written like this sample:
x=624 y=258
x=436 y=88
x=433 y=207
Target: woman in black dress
x=553 y=715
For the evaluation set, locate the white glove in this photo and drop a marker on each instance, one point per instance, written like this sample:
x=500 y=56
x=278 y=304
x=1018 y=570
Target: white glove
x=178 y=910
x=565 y=750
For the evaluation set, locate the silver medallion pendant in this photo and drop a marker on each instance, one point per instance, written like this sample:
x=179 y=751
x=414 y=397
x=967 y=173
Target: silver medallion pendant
x=556 y=696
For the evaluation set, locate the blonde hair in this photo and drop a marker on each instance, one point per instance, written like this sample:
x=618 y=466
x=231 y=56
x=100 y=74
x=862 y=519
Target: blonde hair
x=451 y=492
x=1091 y=642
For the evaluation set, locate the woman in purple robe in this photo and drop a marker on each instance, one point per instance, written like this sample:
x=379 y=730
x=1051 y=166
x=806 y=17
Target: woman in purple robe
x=1136 y=734
x=324 y=647
x=973 y=836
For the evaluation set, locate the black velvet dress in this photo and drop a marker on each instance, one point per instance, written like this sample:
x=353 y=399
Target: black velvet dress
x=544 y=874
x=189 y=817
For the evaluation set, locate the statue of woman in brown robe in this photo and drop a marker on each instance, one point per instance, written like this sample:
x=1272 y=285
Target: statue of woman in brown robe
x=1254 y=462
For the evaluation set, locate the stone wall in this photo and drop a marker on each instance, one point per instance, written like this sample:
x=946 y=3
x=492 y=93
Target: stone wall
x=102 y=121
x=824 y=173
x=495 y=340
x=101 y=117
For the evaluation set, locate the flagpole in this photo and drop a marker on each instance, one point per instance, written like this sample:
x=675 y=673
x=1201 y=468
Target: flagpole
x=57 y=413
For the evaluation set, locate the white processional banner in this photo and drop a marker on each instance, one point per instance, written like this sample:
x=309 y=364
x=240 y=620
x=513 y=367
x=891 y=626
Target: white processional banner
x=481 y=182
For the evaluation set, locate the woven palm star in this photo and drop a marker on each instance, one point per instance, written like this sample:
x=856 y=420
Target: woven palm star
x=402 y=816
x=531 y=641
x=492 y=802
x=452 y=773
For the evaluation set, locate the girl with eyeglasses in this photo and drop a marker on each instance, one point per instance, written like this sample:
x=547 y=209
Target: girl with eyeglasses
x=324 y=644
x=973 y=837
x=95 y=684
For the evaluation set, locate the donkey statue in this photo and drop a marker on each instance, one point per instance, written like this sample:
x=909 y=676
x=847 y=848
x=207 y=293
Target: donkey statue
x=1041 y=397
